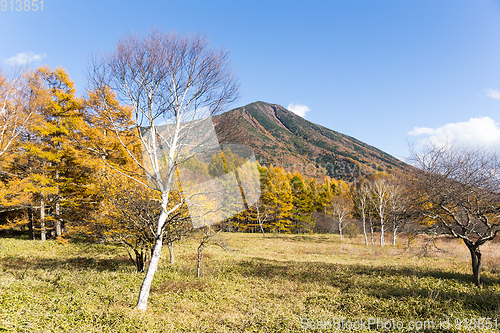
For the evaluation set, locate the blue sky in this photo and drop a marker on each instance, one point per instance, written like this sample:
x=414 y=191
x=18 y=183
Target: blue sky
x=382 y=71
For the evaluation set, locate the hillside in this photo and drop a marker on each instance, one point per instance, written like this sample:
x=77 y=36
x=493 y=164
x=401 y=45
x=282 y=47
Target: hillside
x=283 y=138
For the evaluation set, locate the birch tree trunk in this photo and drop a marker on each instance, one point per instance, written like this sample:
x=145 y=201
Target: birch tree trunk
x=364 y=229
x=43 y=230
x=371 y=230
x=394 y=232
x=382 y=243
x=58 y=217
x=31 y=224
x=142 y=303
x=58 y=209
x=262 y=229
x=259 y=218
x=198 y=262
x=171 y=253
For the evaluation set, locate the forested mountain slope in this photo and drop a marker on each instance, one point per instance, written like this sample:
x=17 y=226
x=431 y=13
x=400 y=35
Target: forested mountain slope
x=283 y=138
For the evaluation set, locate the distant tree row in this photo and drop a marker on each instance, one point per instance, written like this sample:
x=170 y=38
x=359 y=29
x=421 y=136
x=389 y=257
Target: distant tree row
x=291 y=203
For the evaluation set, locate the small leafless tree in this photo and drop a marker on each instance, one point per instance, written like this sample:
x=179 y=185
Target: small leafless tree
x=166 y=78
x=208 y=237
x=361 y=198
x=341 y=207
x=460 y=191
x=261 y=216
x=399 y=206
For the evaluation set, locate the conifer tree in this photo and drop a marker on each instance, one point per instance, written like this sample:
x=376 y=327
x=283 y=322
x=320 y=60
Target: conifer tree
x=56 y=171
x=302 y=204
x=328 y=190
x=277 y=197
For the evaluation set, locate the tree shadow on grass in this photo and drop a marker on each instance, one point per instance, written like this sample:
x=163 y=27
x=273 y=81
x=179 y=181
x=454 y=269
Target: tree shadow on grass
x=14 y=235
x=403 y=283
x=78 y=263
x=318 y=238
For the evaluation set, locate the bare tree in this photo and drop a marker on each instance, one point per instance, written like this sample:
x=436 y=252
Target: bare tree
x=399 y=206
x=372 y=227
x=361 y=198
x=171 y=79
x=341 y=207
x=261 y=216
x=460 y=190
x=208 y=238
x=395 y=210
x=380 y=199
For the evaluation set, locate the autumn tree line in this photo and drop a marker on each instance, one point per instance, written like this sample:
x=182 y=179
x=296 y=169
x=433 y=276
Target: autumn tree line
x=292 y=203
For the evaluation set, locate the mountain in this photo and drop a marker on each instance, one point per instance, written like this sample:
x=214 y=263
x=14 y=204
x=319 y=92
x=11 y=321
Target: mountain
x=283 y=138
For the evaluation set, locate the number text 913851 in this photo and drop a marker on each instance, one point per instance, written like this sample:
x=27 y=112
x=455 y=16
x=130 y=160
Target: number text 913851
x=21 y=5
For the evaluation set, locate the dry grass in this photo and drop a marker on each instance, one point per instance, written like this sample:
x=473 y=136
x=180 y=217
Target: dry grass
x=261 y=285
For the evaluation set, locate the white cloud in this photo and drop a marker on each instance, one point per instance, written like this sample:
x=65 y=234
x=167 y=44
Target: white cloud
x=476 y=132
x=299 y=109
x=24 y=58
x=493 y=93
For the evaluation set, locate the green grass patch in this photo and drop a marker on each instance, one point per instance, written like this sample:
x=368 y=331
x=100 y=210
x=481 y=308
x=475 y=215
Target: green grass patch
x=262 y=285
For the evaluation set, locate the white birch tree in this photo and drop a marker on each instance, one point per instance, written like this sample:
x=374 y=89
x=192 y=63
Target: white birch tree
x=341 y=207
x=399 y=207
x=380 y=199
x=170 y=80
x=361 y=198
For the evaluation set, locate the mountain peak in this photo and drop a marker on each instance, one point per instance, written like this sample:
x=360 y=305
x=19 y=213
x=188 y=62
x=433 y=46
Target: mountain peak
x=266 y=107
x=280 y=137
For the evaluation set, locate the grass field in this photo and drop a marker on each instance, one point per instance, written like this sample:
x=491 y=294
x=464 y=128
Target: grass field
x=279 y=283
